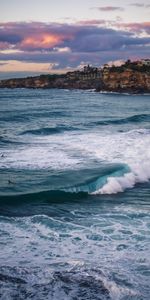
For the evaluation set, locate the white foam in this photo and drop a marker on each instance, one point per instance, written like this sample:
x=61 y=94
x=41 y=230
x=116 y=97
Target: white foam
x=37 y=157
x=131 y=148
x=119 y=184
x=76 y=150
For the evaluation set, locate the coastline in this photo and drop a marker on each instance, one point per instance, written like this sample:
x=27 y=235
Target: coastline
x=130 y=78
x=105 y=92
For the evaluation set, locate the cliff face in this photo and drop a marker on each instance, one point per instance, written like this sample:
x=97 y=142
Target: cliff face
x=29 y=82
x=126 y=81
x=44 y=81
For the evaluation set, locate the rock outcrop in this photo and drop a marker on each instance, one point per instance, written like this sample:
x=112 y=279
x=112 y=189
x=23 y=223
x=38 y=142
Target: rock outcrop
x=127 y=80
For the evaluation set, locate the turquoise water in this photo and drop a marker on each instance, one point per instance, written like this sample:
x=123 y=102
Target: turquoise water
x=74 y=195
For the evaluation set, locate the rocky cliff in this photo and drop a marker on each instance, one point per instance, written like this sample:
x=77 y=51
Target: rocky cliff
x=127 y=78
x=46 y=81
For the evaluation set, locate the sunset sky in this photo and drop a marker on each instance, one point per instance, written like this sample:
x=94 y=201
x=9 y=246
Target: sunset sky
x=55 y=36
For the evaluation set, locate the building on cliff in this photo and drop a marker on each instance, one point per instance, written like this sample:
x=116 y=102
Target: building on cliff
x=88 y=73
x=146 y=62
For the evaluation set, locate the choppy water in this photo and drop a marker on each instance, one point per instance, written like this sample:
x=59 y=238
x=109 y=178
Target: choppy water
x=74 y=195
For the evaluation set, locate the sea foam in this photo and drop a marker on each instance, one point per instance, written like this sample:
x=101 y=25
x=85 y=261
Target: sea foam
x=114 y=185
x=79 y=150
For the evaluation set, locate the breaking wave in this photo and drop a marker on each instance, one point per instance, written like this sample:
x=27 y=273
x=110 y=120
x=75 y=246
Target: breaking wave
x=116 y=180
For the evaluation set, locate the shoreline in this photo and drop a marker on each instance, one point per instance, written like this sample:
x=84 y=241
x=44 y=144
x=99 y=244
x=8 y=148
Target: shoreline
x=107 y=92
x=130 y=78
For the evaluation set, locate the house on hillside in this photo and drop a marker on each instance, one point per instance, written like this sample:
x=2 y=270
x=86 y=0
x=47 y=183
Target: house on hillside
x=88 y=73
x=146 y=62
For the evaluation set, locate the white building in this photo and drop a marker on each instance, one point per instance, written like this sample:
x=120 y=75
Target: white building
x=146 y=62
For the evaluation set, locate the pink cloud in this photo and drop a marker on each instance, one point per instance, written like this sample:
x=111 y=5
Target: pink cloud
x=92 y=22
x=136 y=27
x=42 y=40
x=67 y=45
x=33 y=35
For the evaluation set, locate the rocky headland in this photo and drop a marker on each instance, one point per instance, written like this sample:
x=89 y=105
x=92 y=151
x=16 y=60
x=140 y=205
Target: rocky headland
x=131 y=77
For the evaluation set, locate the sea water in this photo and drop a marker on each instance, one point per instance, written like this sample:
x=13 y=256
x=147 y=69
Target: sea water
x=74 y=195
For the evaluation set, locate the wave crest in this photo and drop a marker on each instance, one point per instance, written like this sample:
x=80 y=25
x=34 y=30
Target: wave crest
x=132 y=119
x=48 y=130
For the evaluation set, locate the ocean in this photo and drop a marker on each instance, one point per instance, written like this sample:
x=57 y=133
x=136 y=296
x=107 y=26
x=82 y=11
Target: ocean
x=74 y=195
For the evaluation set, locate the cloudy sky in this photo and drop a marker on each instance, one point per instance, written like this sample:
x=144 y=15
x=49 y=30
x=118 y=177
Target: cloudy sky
x=55 y=36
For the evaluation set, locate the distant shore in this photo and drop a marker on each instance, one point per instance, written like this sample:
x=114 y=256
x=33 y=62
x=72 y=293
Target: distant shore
x=132 y=77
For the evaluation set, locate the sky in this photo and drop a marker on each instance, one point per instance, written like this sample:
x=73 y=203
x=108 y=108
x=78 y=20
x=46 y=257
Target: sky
x=58 y=36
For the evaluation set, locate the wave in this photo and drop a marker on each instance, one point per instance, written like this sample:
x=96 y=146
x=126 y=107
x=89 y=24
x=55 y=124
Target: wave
x=11 y=116
x=117 y=179
x=4 y=142
x=48 y=130
x=77 y=191
x=133 y=119
x=96 y=184
x=103 y=184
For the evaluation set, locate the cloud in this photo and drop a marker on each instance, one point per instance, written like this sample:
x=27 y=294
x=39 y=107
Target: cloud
x=4 y=45
x=67 y=46
x=41 y=41
x=137 y=27
x=109 y=8
x=92 y=22
x=34 y=35
x=137 y=4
